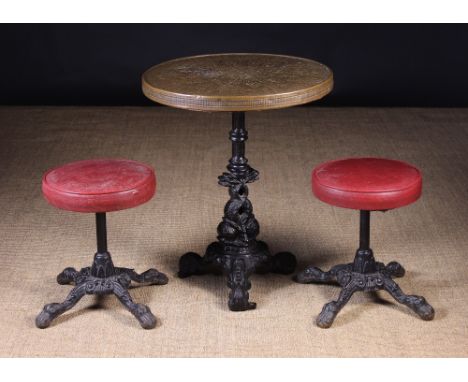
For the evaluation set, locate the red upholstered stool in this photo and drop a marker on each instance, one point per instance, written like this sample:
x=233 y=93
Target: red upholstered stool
x=365 y=184
x=101 y=186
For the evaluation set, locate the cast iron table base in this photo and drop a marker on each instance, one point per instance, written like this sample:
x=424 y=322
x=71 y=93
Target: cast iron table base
x=237 y=253
x=100 y=279
x=364 y=274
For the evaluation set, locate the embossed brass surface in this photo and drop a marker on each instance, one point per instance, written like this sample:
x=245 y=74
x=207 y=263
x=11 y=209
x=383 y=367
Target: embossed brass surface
x=237 y=82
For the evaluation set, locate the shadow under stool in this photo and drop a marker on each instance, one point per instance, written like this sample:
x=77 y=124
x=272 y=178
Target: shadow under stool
x=101 y=186
x=365 y=184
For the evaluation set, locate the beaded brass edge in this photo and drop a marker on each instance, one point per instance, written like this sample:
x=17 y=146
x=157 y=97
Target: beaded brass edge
x=264 y=102
x=236 y=103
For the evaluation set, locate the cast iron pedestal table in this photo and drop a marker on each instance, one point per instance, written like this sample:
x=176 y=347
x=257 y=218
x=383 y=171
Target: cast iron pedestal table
x=237 y=83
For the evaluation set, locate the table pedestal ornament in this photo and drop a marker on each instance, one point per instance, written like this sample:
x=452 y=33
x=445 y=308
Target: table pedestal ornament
x=237 y=253
x=236 y=83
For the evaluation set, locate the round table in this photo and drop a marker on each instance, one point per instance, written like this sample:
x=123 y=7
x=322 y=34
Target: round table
x=237 y=82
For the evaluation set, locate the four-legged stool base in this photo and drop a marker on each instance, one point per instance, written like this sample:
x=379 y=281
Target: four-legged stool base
x=101 y=279
x=351 y=281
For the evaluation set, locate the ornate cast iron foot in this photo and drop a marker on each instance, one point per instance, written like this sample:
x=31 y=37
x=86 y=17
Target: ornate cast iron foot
x=237 y=253
x=237 y=268
x=151 y=276
x=316 y=275
x=417 y=304
x=239 y=284
x=100 y=279
x=141 y=312
x=67 y=276
x=330 y=310
x=52 y=311
x=352 y=281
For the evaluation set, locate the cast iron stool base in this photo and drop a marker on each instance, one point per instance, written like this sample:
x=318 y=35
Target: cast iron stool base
x=364 y=274
x=237 y=253
x=100 y=279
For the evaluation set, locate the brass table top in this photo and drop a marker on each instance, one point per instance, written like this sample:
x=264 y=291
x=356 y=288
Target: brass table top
x=237 y=82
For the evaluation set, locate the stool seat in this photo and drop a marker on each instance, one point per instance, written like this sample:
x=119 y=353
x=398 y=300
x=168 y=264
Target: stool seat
x=367 y=183
x=99 y=185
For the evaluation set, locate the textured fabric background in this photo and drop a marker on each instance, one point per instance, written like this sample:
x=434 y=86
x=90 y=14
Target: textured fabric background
x=189 y=150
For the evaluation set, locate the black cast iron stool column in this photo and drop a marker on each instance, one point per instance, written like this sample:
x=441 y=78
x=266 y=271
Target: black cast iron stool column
x=237 y=83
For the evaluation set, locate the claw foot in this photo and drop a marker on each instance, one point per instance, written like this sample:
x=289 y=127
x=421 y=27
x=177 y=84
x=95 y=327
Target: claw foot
x=67 y=276
x=241 y=305
x=153 y=276
x=423 y=309
x=395 y=269
x=44 y=319
x=327 y=315
x=145 y=317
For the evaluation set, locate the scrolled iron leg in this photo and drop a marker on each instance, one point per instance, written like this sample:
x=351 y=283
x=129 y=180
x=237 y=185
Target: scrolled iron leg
x=330 y=310
x=417 y=304
x=315 y=275
x=141 y=312
x=239 y=285
x=52 y=311
x=151 y=276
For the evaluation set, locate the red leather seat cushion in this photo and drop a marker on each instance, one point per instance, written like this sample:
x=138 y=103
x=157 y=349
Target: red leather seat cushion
x=99 y=185
x=367 y=183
